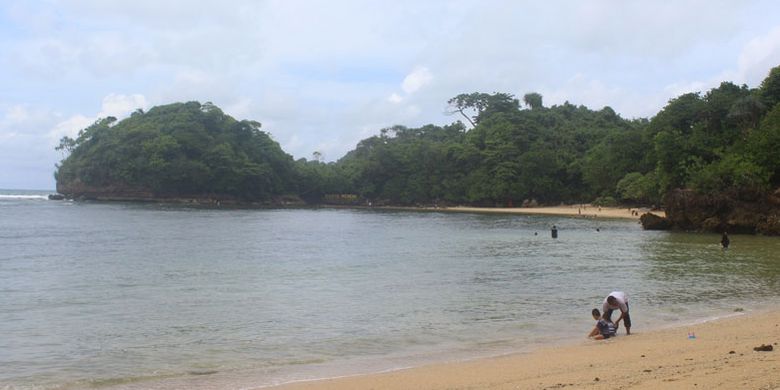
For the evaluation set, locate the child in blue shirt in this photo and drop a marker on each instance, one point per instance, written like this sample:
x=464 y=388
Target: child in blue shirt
x=604 y=328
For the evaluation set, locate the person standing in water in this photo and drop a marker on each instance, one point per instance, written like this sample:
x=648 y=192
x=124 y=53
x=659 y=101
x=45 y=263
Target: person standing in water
x=617 y=300
x=724 y=241
x=554 y=232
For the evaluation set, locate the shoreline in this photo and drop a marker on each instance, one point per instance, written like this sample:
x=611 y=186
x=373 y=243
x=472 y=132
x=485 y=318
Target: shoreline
x=581 y=210
x=584 y=211
x=720 y=356
x=576 y=211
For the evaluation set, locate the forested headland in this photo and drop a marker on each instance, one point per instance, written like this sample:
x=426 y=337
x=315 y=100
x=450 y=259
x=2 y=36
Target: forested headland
x=711 y=158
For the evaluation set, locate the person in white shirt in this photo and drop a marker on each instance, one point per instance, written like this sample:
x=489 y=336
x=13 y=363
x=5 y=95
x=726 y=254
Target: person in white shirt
x=618 y=300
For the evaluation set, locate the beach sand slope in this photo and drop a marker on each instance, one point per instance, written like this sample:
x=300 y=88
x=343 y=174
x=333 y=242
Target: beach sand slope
x=721 y=356
x=586 y=211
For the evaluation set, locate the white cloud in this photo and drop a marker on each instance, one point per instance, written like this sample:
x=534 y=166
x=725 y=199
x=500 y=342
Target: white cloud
x=322 y=75
x=758 y=57
x=239 y=109
x=116 y=105
x=419 y=78
x=293 y=142
x=23 y=120
x=25 y=153
x=412 y=111
x=16 y=114
x=581 y=89
x=676 y=89
x=752 y=64
x=69 y=127
x=395 y=98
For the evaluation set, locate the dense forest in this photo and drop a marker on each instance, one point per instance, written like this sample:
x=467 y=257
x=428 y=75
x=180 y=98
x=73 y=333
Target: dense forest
x=503 y=152
x=725 y=140
x=177 y=150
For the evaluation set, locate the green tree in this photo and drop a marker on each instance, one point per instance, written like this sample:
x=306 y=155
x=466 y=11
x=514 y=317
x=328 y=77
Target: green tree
x=481 y=104
x=770 y=88
x=745 y=113
x=638 y=188
x=764 y=143
x=533 y=100
x=179 y=149
x=733 y=173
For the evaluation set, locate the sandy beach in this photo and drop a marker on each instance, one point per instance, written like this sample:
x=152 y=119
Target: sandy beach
x=721 y=356
x=583 y=211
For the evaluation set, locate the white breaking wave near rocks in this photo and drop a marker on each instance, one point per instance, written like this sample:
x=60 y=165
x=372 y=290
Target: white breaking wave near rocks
x=22 y=197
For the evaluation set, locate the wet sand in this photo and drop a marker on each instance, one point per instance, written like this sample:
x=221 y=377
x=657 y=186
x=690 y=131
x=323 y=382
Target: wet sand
x=721 y=356
x=584 y=211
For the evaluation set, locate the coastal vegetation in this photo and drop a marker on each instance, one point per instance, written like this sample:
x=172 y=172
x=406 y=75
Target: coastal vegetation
x=177 y=150
x=722 y=143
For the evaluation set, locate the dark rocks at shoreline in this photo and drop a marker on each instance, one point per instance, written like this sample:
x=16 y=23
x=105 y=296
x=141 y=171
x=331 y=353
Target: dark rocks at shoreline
x=56 y=197
x=651 y=221
x=743 y=213
x=81 y=192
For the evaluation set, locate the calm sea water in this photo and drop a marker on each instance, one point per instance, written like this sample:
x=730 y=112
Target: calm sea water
x=147 y=296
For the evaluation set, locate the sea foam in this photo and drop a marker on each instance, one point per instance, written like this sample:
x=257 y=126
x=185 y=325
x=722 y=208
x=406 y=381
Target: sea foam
x=22 y=197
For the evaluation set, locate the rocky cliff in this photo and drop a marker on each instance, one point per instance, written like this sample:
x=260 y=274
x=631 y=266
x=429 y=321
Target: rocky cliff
x=743 y=212
x=80 y=191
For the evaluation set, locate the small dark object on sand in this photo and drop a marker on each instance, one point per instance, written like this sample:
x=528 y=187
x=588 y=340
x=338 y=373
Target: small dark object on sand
x=731 y=352
x=596 y=380
x=764 y=348
x=209 y=372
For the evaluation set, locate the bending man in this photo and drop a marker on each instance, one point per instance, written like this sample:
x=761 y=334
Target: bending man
x=617 y=300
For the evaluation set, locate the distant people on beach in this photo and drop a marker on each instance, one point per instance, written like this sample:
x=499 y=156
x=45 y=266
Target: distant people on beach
x=604 y=328
x=617 y=300
x=724 y=241
x=554 y=232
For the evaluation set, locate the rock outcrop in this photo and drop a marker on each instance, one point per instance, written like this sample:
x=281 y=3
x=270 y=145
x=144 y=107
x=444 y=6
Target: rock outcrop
x=744 y=212
x=80 y=191
x=118 y=193
x=651 y=221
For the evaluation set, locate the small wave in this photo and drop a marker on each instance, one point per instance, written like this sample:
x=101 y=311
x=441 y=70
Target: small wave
x=23 y=197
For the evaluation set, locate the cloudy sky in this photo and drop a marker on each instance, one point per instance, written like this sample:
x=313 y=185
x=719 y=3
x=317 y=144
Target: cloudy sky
x=322 y=75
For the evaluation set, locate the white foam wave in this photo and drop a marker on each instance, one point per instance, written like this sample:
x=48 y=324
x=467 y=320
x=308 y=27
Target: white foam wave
x=22 y=197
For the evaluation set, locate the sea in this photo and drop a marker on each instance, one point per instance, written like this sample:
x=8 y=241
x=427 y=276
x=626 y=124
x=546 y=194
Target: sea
x=97 y=295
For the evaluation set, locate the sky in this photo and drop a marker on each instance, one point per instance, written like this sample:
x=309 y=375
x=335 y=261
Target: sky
x=323 y=75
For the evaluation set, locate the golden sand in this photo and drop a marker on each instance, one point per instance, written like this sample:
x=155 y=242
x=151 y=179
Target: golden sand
x=721 y=356
x=584 y=211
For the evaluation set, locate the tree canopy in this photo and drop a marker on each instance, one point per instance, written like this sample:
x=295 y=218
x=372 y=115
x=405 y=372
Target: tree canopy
x=723 y=140
x=179 y=149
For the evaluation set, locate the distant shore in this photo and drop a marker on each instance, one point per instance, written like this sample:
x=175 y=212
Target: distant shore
x=583 y=211
x=712 y=355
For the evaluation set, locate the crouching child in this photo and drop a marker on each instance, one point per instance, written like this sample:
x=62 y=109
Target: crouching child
x=604 y=328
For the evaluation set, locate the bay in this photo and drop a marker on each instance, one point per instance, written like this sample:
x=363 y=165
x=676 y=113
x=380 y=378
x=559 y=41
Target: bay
x=126 y=296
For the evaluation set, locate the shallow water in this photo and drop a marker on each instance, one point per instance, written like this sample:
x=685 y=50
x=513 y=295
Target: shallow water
x=112 y=295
